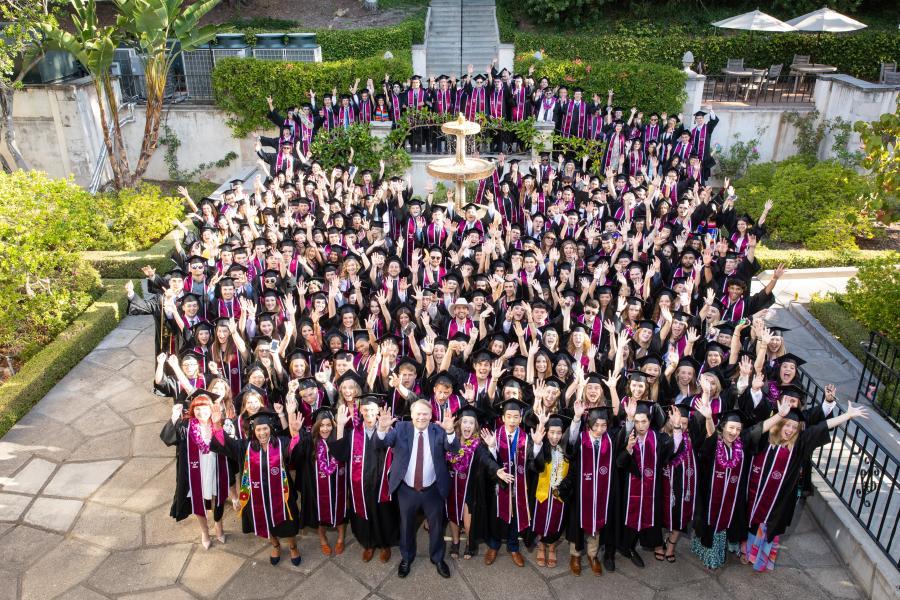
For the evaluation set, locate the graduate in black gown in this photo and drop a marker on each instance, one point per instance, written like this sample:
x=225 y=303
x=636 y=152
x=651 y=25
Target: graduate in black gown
x=202 y=478
x=324 y=482
x=374 y=519
x=267 y=494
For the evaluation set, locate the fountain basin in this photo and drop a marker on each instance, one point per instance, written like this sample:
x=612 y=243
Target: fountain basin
x=470 y=169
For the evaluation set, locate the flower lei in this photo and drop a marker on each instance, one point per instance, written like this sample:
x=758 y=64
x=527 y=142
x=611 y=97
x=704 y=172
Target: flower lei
x=683 y=453
x=774 y=393
x=737 y=453
x=556 y=462
x=197 y=436
x=326 y=464
x=462 y=458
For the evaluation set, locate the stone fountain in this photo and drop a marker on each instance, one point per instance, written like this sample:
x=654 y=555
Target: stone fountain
x=460 y=168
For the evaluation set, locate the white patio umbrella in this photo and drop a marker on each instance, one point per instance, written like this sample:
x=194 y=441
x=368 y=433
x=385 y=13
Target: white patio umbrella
x=826 y=20
x=754 y=21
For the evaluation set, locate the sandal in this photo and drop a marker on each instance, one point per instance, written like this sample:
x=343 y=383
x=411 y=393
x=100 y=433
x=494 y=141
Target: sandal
x=551 y=555
x=339 y=547
x=326 y=549
x=670 y=558
x=470 y=552
x=295 y=560
x=275 y=556
x=454 y=550
x=658 y=555
x=540 y=558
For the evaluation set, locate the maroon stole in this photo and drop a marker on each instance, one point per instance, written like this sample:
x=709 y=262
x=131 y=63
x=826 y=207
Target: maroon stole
x=276 y=509
x=715 y=405
x=435 y=236
x=639 y=508
x=651 y=133
x=473 y=380
x=504 y=499
x=618 y=140
x=635 y=162
x=346 y=112
x=284 y=162
x=482 y=185
x=395 y=107
x=232 y=372
x=453 y=328
x=357 y=468
x=596 y=328
x=761 y=494
x=740 y=243
x=331 y=509
x=204 y=356
x=459 y=485
x=444 y=102
x=497 y=103
x=548 y=514
x=415 y=99
x=680 y=344
x=567 y=125
x=195 y=483
x=518 y=109
x=464 y=228
x=475 y=103
x=365 y=111
x=306 y=134
x=698 y=139
x=229 y=308
x=199 y=382
x=723 y=494
x=453 y=403
x=410 y=243
x=594 y=482
x=429 y=278
x=688 y=474
x=734 y=311
x=683 y=150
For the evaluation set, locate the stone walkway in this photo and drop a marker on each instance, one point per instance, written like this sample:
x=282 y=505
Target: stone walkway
x=85 y=489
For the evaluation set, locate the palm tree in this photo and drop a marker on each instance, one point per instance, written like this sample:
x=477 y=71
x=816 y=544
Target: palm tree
x=161 y=30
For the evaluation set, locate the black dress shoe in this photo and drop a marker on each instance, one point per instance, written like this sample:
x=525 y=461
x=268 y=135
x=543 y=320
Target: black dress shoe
x=636 y=559
x=403 y=569
x=609 y=563
x=442 y=569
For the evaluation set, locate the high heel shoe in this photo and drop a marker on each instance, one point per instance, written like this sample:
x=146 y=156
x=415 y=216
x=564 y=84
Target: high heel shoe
x=205 y=543
x=274 y=560
x=296 y=560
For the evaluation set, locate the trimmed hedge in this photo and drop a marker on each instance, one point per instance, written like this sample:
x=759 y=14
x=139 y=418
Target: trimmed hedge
x=37 y=376
x=873 y=296
x=650 y=87
x=242 y=84
x=840 y=323
x=857 y=54
x=769 y=258
x=126 y=265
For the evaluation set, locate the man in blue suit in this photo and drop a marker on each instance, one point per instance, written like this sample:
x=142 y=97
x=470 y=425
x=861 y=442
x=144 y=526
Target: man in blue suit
x=419 y=477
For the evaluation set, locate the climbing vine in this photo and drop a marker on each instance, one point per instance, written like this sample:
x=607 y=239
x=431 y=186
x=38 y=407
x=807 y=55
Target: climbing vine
x=170 y=140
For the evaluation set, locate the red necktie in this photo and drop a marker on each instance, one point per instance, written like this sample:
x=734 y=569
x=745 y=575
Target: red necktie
x=420 y=457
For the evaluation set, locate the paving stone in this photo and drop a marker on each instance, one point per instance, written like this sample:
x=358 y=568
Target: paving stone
x=611 y=586
x=114 y=358
x=743 y=583
x=156 y=492
x=57 y=514
x=12 y=457
x=172 y=593
x=98 y=421
x=64 y=567
x=23 y=545
x=209 y=571
x=146 y=442
x=80 y=480
x=130 y=478
x=258 y=579
x=31 y=478
x=9 y=589
x=707 y=589
x=160 y=528
x=562 y=559
x=372 y=573
x=136 y=322
x=109 y=527
x=492 y=583
x=113 y=445
x=65 y=404
x=138 y=570
x=155 y=413
x=658 y=574
x=39 y=435
x=137 y=370
x=422 y=577
x=327 y=580
x=82 y=593
x=117 y=338
x=136 y=397
x=12 y=506
x=836 y=581
x=808 y=550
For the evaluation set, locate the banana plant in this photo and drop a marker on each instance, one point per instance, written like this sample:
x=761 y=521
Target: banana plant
x=161 y=30
x=94 y=46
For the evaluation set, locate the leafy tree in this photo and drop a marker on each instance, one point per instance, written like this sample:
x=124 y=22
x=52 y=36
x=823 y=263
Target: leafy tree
x=881 y=156
x=25 y=21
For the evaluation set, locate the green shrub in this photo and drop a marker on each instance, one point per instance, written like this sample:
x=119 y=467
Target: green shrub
x=858 y=54
x=822 y=207
x=873 y=296
x=331 y=149
x=242 y=84
x=143 y=216
x=840 y=323
x=799 y=258
x=651 y=87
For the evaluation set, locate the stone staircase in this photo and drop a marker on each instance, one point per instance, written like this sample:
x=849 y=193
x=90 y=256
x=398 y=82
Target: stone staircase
x=460 y=32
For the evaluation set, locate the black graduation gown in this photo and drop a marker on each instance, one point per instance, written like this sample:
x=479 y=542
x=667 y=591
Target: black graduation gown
x=308 y=499
x=783 y=508
x=497 y=528
x=236 y=450
x=610 y=531
x=650 y=537
x=176 y=435
x=536 y=466
x=381 y=528
x=706 y=456
x=480 y=497
x=697 y=433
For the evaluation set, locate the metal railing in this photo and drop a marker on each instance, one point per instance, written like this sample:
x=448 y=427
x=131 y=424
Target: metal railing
x=862 y=473
x=879 y=382
x=759 y=89
x=97 y=174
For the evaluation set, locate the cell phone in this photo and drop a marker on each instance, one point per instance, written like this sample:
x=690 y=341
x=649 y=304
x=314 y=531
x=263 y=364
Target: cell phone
x=273 y=346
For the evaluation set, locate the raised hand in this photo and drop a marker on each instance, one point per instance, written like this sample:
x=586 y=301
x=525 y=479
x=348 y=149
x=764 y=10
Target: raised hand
x=488 y=437
x=448 y=423
x=537 y=436
x=856 y=411
x=385 y=419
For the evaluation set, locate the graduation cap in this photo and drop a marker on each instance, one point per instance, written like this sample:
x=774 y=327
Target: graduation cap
x=793 y=390
x=794 y=415
x=370 y=398
x=684 y=410
x=389 y=337
x=598 y=412
x=260 y=339
x=777 y=329
x=718 y=374
x=731 y=416
x=322 y=413
x=554 y=381
x=646 y=324
x=644 y=408
x=651 y=359
x=700 y=113
x=593 y=377
x=470 y=410
x=442 y=378
x=264 y=417
x=689 y=361
x=407 y=360
x=308 y=383
x=684 y=317
x=791 y=358
x=716 y=347
x=634 y=301
x=736 y=281
x=501 y=406
x=558 y=420
x=638 y=376
x=483 y=355
x=351 y=375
